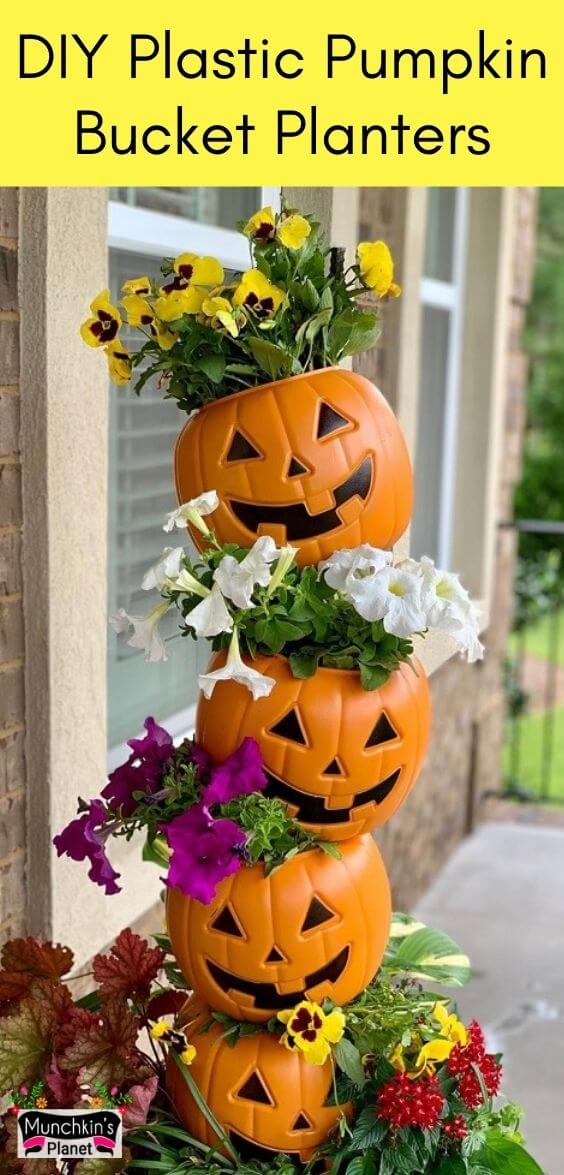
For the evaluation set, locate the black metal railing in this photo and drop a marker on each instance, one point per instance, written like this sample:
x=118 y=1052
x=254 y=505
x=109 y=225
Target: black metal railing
x=533 y=755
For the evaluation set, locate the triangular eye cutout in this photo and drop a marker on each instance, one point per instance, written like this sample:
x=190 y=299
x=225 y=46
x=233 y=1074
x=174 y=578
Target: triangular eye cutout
x=289 y=727
x=333 y=768
x=295 y=468
x=317 y=914
x=254 y=1090
x=329 y=421
x=226 y=923
x=383 y=732
x=241 y=449
x=301 y=1123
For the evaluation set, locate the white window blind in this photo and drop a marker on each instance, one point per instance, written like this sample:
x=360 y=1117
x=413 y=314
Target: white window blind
x=442 y=308
x=142 y=433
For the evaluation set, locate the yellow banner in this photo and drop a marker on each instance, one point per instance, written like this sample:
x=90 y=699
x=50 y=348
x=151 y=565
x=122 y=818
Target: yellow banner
x=324 y=93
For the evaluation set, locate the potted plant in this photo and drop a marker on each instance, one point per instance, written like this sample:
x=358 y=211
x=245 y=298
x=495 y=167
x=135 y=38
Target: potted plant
x=340 y=706
x=297 y=448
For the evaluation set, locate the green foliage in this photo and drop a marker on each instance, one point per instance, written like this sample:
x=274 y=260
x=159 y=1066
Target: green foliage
x=423 y=953
x=304 y=619
x=318 y=323
x=274 y=836
x=540 y=493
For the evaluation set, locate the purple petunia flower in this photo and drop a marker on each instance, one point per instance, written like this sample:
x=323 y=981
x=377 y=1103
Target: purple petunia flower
x=143 y=770
x=204 y=851
x=242 y=772
x=85 y=838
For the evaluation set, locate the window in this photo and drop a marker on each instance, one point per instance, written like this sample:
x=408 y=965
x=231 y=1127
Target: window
x=442 y=302
x=144 y=225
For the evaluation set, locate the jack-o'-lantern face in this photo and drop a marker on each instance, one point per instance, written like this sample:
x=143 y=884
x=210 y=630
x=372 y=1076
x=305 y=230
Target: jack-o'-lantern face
x=266 y=1098
x=316 y=927
x=318 y=461
x=341 y=757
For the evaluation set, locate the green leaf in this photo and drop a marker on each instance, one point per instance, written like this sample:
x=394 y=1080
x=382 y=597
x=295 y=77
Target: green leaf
x=502 y=1156
x=429 y=954
x=213 y=366
x=203 y=1105
x=270 y=358
x=25 y=1041
x=304 y=664
x=454 y=1165
x=348 y=1059
x=372 y=676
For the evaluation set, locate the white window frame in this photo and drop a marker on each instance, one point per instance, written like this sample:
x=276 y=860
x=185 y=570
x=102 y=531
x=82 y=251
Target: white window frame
x=158 y=234
x=449 y=296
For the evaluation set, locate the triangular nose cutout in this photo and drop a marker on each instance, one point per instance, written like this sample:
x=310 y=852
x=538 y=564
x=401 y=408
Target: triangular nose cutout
x=302 y=1122
x=295 y=468
x=275 y=956
x=333 y=768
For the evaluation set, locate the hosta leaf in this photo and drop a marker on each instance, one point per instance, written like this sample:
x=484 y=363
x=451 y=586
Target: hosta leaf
x=426 y=954
x=25 y=1044
x=502 y=1156
x=129 y=969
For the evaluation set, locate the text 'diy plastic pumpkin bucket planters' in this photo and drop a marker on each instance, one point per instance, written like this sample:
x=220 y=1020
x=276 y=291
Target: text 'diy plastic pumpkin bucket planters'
x=315 y=928
x=342 y=758
x=316 y=460
x=266 y=1099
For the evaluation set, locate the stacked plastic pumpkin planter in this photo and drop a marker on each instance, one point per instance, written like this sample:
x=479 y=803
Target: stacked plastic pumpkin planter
x=318 y=461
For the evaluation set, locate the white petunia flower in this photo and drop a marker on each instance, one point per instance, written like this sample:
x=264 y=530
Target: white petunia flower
x=449 y=608
x=211 y=616
x=186 y=582
x=193 y=512
x=286 y=556
x=344 y=569
x=146 y=634
x=393 y=596
x=235 y=670
x=238 y=580
x=167 y=567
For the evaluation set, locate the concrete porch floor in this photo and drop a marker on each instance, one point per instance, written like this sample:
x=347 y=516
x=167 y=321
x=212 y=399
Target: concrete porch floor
x=501 y=896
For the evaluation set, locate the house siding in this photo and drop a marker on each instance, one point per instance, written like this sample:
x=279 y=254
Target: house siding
x=12 y=699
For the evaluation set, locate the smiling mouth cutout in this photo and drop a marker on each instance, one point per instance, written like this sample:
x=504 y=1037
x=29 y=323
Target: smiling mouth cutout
x=266 y=995
x=299 y=523
x=249 y=1150
x=312 y=810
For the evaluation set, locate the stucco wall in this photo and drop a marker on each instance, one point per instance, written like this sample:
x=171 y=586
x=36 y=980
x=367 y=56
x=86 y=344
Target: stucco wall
x=12 y=702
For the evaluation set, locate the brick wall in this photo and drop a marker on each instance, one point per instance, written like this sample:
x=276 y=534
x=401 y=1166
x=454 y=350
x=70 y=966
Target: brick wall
x=12 y=764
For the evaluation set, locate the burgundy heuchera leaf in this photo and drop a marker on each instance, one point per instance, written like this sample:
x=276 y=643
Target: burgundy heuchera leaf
x=129 y=969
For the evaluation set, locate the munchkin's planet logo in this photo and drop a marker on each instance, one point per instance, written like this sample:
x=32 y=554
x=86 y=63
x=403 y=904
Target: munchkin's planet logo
x=69 y=1134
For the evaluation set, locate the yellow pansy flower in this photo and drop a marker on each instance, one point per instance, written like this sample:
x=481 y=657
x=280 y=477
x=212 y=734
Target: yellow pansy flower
x=141 y=314
x=96 y=1103
x=293 y=230
x=435 y=1050
x=103 y=326
x=261 y=226
x=311 y=1031
x=191 y=270
x=160 y=1029
x=397 y=1059
x=377 y=268
x=137 y=285
x=119 y=362
x=451 y=1027
x=218 y=312
x=171 y=307
x=188 y=1054
x=257 y=294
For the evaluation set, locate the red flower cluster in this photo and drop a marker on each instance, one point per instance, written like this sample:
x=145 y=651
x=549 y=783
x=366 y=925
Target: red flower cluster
x=403 y=1102
x=462 y=1064
x=455 y=1128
